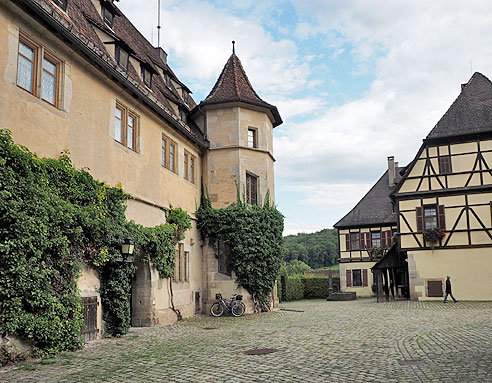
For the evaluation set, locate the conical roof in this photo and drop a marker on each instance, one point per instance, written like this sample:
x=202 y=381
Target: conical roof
x=471 y=112
x=233 y=86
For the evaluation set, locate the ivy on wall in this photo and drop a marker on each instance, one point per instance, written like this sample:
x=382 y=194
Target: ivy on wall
x=254 y=236
x=54 y=218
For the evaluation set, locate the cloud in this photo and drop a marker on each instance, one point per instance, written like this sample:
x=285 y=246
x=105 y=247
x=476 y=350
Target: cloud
x=197 y=36
x=405 y=60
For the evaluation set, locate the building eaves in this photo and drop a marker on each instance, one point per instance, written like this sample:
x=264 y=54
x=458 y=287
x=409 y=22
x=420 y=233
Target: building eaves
x=470 y=113
x=97 y=55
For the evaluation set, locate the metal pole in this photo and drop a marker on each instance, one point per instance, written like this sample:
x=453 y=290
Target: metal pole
x=158 y=23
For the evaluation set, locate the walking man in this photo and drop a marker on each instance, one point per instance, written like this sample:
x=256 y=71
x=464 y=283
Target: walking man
x=448 y=290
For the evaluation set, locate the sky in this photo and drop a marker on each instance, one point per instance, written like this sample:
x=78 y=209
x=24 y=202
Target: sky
x=354 y=81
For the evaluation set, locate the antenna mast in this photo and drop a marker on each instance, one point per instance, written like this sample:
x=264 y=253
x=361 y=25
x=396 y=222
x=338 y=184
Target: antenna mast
x=158 y=23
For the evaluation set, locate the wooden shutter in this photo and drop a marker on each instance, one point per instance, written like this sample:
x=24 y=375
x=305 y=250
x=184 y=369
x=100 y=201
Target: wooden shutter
x=347 y=242
x=434 y=289
x=349 y=278
x=362 y=241
x=368 y=240
x=388 y=238
x=419 y=219
x=442 y=218
x=383 y=239
x=364 y=277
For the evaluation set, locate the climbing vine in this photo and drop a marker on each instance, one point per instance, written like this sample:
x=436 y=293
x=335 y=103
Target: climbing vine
x=53 y=219
x=254 y=236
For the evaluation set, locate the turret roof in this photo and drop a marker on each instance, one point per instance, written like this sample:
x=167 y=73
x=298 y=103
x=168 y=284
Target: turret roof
x=233 y=86
x=471 y=112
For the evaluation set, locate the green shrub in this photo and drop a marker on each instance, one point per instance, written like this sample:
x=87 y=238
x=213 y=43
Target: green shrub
x=54 y=218
x=293 y=288
x=254 y=236
x=318 y=287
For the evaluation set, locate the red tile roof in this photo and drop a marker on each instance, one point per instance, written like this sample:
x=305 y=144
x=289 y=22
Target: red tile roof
x=233 y=86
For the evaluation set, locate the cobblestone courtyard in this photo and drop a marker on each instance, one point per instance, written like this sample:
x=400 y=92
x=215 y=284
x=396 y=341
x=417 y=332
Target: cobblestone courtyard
x=359 y=341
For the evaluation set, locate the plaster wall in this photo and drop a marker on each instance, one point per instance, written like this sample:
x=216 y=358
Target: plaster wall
x=365 y=291
x=469 y=269
x=83 y=124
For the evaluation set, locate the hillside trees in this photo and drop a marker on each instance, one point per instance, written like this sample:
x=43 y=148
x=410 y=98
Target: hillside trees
x=316 y=249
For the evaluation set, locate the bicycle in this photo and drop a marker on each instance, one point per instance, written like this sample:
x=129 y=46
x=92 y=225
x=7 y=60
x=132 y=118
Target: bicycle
x=235 y=305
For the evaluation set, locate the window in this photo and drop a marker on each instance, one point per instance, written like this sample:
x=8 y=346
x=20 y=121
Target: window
x=354 y=241
x=125 y=127
x=186 y=165
x=181 y=271
x=146 y=77
x=189 y=166
x=26 y=66
x=107 y=16
x=49 y=81
x=376 y=239
x=121 y=57
x=445 y=165
x=192 y=169
x=185 y=96
x=430 y=217
x=251 y=189
x=61 y=3
x=167 y=79
x=43 y=79
x=357 y=278
x=168 y=153
x=252 y=139
x=223 y=258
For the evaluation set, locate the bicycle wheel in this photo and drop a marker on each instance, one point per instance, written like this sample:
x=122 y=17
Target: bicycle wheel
x=216 y=310
x=238 y=309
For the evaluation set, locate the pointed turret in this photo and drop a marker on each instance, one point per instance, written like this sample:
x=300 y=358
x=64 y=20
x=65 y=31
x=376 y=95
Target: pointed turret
x=233 y=86
x=471 y=112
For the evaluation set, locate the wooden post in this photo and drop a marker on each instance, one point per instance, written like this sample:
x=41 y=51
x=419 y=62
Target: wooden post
x=379 y=283
x=386 y=290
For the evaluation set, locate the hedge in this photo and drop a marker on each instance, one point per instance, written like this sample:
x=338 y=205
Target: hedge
x=294 y=288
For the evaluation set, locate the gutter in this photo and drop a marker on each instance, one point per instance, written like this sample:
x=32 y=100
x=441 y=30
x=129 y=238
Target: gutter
x=67 y=34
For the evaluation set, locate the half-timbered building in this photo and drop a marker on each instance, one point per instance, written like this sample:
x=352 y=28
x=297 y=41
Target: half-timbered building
x=444 y=201
x=366 y=234
x=441 y=208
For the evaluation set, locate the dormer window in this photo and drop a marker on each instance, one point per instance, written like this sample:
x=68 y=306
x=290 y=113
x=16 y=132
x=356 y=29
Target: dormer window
x=146 y=76
x=167 y=79
x=121 y=57
x=185 y=96
x=107 y=16
x=61 y=3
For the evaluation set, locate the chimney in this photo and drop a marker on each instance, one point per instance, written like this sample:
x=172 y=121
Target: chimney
x=391 y=171
x=162 y=54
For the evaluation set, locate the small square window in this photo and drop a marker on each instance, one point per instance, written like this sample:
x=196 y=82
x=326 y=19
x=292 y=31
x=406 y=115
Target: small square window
x=146 y=77
x=252 y=138
x=61 y=3
x=445 y=164
x=357 y=278
x=122 y=57
x=107 y=16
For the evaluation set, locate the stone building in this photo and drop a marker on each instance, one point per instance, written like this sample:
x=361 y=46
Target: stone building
x=443 y=207
x=76 y=75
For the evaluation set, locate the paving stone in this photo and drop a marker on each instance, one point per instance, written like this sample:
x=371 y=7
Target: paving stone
x=353 y=341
